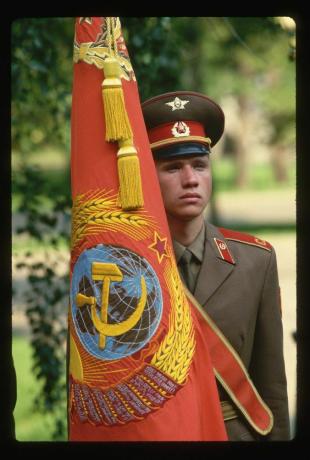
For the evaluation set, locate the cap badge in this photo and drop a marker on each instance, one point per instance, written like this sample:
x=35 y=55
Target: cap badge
x=177 y=104
x=180 y=129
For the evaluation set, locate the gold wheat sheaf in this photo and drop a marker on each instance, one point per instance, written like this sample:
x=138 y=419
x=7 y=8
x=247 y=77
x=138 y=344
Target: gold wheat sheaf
x=93 y=215
x=176 y=351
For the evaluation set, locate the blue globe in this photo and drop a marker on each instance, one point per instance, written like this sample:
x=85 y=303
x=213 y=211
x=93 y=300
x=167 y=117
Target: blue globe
x=123 y=300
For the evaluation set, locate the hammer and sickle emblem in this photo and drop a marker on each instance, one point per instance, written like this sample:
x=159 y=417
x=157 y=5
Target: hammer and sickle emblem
x=107 y=272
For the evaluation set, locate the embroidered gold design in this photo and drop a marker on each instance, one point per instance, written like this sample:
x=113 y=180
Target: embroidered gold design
x=98 y=211
x=107 y=272
x=76 y=366
x=121 y=394
x=159 y=246
x=176 y=351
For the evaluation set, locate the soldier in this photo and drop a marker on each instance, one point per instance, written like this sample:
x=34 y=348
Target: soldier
x=232 y=275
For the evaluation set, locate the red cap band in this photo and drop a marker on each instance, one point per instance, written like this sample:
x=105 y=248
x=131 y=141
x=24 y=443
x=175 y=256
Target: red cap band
x=177 y=131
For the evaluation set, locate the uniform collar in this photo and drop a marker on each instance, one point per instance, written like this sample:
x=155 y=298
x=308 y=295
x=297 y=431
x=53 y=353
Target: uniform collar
x=216 y=267
x=196 y=247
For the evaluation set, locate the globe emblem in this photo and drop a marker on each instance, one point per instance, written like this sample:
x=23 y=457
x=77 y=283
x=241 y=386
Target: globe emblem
x=136 y=287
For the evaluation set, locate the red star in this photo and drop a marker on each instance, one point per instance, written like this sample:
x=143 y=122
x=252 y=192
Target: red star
x=159 y=246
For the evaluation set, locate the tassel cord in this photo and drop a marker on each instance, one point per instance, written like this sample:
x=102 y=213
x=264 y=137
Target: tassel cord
x=118 y=127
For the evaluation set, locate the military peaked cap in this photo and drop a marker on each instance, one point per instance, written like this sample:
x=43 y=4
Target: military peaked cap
x=182 y=123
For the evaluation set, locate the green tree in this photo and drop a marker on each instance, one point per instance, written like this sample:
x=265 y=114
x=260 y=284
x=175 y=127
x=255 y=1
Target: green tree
x=41 y=104
x=246 y=58
x=41 y=82
x=153 y=46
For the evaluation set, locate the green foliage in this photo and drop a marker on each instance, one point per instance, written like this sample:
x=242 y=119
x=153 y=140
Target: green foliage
x=47 y=296
x=218 y=56
x=240 y=52
x=248 y=57
x=41 y=81
x=152 y=44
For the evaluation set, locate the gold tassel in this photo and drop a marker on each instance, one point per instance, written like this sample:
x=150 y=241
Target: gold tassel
x=116 y=118
x=130 y=186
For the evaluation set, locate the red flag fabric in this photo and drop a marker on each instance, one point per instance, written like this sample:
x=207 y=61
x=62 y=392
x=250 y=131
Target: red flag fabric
x=139 y=366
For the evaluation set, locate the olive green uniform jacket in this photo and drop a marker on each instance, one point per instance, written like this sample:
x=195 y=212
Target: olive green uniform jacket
x=242 y=296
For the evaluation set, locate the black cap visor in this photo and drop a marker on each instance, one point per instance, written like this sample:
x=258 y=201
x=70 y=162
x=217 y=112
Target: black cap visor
x=181 y=150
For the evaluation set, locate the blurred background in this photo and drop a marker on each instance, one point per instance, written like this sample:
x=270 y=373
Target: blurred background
x=247 y=65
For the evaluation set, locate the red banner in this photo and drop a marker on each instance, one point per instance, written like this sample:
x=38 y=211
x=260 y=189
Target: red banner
x=139 y=366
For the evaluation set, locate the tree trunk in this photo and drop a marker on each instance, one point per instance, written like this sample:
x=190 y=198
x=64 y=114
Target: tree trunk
x=278 y=163
x=242 y=143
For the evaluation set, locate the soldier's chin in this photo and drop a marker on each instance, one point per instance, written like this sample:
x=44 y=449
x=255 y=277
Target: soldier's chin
x=190 y=212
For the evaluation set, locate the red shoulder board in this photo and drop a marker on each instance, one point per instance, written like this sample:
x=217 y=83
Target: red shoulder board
x=245 y=238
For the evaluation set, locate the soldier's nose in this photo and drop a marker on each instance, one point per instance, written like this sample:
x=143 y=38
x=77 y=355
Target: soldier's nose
x=189 y=176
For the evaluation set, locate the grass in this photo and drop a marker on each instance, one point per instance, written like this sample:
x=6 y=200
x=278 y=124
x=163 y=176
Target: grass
x=29 y=424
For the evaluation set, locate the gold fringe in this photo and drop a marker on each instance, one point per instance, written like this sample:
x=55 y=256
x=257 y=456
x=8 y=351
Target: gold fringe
x=131 y=195
x=116 y=118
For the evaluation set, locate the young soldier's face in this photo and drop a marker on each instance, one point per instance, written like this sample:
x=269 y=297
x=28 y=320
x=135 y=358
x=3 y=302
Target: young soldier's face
x=186 y=185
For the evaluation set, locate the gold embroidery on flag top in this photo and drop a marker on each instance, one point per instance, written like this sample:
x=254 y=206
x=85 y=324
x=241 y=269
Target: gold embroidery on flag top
x=97 y=51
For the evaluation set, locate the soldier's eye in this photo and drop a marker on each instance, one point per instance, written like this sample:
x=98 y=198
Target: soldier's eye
x=200 y=165
x=173 y=167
